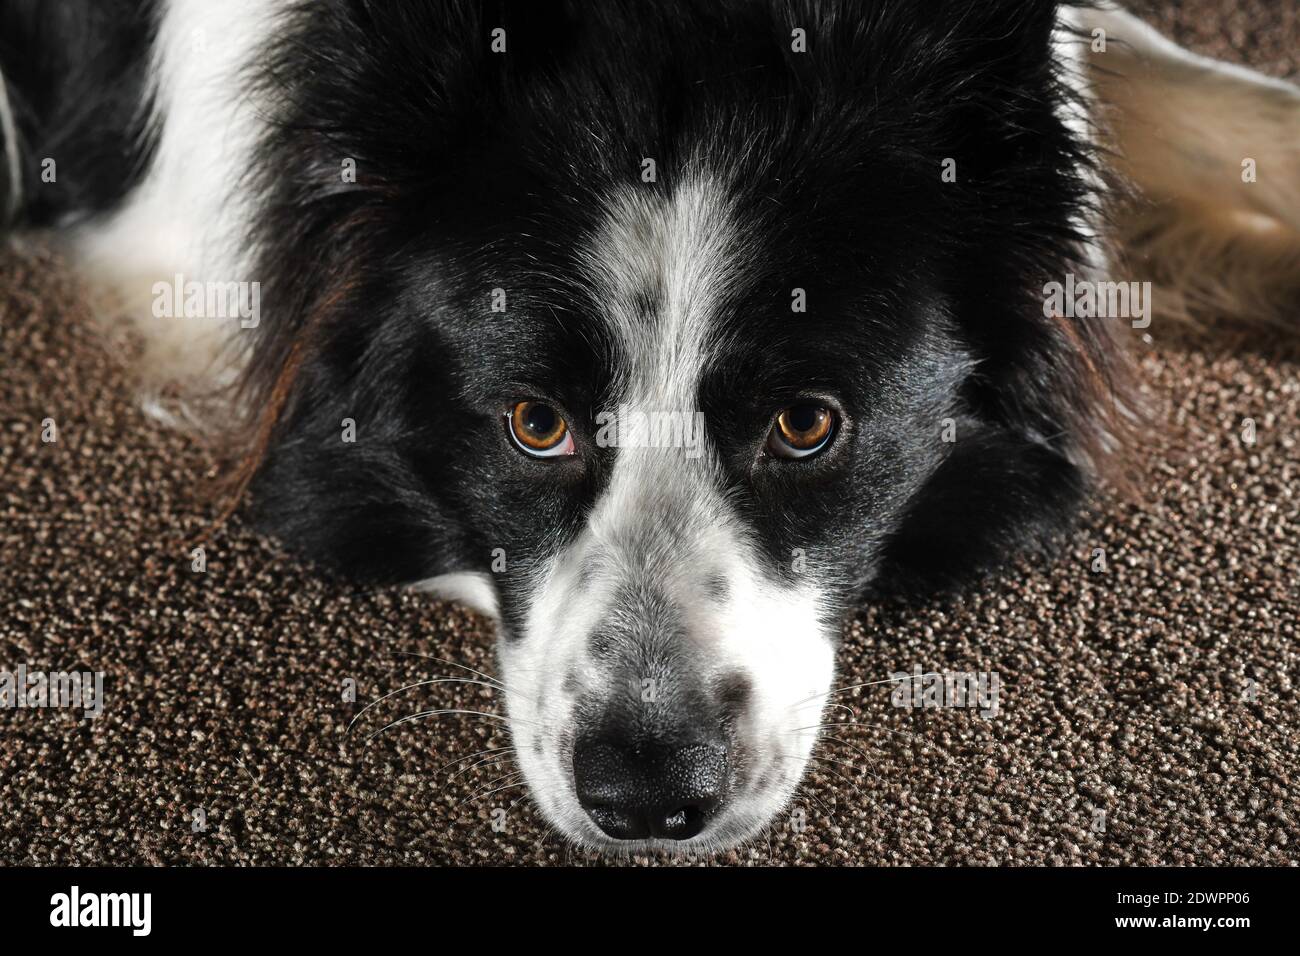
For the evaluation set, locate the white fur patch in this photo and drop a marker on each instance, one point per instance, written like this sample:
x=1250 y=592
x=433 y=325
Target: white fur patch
x=472 y=589
x=190 y=214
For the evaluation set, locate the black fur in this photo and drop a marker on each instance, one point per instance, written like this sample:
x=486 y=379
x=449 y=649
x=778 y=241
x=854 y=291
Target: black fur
x=76 y=72
x=478 y=170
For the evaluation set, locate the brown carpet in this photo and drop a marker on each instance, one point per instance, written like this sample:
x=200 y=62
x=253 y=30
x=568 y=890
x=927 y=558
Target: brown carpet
x=1148 y=712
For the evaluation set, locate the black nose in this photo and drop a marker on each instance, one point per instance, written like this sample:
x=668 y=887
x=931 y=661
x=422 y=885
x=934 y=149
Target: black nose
x=637 y=792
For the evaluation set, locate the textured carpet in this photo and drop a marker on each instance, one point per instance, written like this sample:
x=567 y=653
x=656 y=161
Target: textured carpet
x=1148 y=711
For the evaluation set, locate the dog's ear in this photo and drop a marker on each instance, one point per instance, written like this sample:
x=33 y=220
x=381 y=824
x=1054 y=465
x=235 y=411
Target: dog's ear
x=367 y=105
x=998 y=494
x=976 y=90
x=353 y=469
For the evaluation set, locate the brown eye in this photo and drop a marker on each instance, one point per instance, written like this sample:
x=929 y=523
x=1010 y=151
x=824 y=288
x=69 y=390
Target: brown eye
x=801 y=431
x=539 y=430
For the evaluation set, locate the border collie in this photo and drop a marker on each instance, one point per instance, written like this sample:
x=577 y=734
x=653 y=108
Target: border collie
x=664 y=333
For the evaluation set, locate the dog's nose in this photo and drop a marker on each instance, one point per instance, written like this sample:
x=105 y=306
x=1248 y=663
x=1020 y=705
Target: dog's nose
x=636 y=792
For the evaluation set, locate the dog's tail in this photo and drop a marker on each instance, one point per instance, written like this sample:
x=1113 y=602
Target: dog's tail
x=1211 y=155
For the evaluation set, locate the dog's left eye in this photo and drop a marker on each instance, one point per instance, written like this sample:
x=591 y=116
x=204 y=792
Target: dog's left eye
x=801 y=431
x=539 y=430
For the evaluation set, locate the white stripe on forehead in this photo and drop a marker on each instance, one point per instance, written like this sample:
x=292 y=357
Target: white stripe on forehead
x=675 y=254
x=660 y=268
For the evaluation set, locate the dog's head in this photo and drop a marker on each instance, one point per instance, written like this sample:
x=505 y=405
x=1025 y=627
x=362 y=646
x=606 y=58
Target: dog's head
x=665 y=333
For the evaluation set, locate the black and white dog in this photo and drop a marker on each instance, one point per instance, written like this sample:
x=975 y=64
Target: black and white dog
x=663 y=332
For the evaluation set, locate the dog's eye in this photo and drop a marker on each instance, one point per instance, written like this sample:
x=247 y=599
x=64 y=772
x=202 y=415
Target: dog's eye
x=801 y=430
x=539 y=430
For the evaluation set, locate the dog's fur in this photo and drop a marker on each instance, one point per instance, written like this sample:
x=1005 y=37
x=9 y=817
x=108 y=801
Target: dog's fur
x=210 y=140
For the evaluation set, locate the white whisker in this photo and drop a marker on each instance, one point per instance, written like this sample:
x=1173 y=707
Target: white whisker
x=464 y=667
x=438 y=713
x=479 y=796
x=479 y=763
x=477 y=753
x=419 y=683
x=871 y=683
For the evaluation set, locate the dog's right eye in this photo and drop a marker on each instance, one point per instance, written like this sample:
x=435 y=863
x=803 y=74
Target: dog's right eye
x=539 y=430
x=801 y=431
